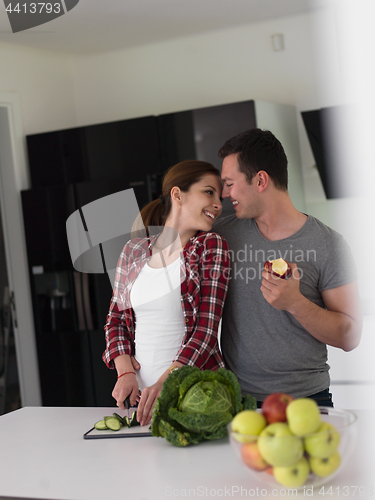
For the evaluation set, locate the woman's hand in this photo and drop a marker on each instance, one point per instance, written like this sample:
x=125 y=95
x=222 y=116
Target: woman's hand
x=126 y=385
x=150 y=395
x=147 y=402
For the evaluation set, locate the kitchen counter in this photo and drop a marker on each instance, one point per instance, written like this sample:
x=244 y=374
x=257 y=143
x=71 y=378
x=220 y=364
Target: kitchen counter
x=43 y=455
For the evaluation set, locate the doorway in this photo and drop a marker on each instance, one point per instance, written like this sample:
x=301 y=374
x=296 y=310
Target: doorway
x=10 y=396
x=18 y=318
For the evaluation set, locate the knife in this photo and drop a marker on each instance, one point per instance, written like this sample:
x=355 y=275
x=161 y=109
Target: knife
x=127 y=405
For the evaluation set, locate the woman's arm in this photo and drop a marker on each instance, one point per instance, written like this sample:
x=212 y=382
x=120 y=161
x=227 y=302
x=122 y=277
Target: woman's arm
x=126 y=384
x=119 y=327
x=119 y=335
x=119 y=339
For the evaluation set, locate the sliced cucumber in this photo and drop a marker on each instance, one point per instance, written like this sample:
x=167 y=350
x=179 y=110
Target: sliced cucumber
x=101 y=425
x=122 y=420
x=115 y=422
x=112 y=423
x=133 y=421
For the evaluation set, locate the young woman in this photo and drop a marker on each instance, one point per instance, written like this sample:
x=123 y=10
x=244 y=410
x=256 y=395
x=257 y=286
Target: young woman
x=169 y=289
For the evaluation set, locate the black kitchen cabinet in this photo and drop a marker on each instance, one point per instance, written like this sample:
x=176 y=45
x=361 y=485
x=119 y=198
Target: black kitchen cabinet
x=122 y=150
x=200 y=133
x=45 y=211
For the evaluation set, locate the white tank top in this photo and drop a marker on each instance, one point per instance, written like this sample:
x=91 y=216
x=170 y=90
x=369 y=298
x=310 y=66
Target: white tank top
x=159 y=330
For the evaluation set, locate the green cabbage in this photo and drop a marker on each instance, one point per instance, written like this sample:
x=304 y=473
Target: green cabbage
x=197 y=405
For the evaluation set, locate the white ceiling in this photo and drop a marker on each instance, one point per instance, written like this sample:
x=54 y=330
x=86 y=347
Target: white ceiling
x=102 y=25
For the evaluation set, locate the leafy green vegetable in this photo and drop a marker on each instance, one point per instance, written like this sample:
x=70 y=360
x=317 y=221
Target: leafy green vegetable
x=197 y=405
x=249 y=403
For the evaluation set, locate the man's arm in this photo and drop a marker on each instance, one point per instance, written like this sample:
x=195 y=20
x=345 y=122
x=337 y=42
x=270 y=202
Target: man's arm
x=339 y=325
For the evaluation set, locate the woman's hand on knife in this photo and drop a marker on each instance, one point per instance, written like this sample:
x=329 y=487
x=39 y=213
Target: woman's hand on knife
x=127 y=384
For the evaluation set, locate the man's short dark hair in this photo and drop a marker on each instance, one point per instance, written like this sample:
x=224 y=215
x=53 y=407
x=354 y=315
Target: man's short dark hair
x=259 y=150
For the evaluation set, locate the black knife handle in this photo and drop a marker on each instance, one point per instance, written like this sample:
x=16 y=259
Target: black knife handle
x=127 y=403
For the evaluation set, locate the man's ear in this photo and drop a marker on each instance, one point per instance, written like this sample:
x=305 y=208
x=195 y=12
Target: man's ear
x=262 y=180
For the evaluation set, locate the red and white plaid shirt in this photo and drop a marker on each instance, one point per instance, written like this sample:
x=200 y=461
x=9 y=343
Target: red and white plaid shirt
x=205 y=270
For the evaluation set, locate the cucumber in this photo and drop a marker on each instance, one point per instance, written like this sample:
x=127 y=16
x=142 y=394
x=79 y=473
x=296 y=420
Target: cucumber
x=112 y=423
x=101 y=425
x=122 y=419
x=115 y=422
x=134 y=422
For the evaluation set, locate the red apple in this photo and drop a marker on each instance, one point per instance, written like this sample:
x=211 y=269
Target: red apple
x=274 y=407
x=278 y=267
x=269 y=471
x=252 y=458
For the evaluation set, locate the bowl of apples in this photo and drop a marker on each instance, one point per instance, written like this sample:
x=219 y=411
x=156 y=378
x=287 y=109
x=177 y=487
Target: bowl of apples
x=293 y=443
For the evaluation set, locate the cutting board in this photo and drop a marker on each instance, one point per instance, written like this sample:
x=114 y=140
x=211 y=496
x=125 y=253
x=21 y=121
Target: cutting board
x=138 y=431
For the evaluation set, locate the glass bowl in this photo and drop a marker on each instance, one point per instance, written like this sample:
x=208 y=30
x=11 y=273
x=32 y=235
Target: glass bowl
x=246 y=448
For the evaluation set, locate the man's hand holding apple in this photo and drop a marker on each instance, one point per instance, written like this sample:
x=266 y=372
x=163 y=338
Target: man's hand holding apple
x=281 y=293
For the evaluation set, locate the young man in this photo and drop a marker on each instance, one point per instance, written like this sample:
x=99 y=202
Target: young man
x=275 y=331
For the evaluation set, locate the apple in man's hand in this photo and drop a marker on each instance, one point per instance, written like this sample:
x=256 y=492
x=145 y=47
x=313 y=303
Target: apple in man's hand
x=278 y=267
x=293 y=476
x=252 y=458
x=274 y=407
x=324 y=442
x=324 y=467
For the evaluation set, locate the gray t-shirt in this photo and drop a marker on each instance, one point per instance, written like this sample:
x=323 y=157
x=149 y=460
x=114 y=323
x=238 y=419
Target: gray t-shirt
x=267 y=349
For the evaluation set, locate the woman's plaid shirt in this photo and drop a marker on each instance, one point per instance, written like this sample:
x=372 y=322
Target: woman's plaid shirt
x=205 y=270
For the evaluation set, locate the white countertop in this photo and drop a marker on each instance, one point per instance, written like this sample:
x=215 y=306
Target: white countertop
x=43 y=455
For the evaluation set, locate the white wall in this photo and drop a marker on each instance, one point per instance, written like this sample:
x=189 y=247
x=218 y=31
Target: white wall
x=43 y=81
x=225 y=66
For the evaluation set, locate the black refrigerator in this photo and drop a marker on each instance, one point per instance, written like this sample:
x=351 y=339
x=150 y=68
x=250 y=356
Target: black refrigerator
x=69 y=307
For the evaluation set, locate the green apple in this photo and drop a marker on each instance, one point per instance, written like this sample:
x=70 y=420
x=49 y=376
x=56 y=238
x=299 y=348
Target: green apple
x=294 y=475
x=248 y=423
x=303 y=416
x=278 y=446
x=324 y=442
x=324 y=467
